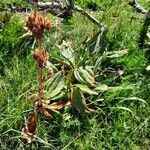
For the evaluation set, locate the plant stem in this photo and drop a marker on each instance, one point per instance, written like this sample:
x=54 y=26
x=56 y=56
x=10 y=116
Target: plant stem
x=40 y=86
x=40 y=74
x=40 y=43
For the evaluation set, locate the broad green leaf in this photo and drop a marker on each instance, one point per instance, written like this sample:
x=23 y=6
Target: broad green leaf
x=54 y=85
x=89 y=70
x=88 y=78
x=116 y=54
x=101 y=88
x=58 y=96
x=68 y=53
x=97 y=44
x=78 y=100
x=98 y=63
x=78 y=76
x=84 y=76
x=86 y=89
x=100 y=43
x=55 y=78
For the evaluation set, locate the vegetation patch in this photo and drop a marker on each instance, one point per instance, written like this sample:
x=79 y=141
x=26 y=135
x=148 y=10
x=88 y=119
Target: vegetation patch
x=84 y=84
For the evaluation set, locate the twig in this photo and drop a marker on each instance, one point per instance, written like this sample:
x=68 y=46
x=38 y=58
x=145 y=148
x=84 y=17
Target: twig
x=59 y=9
x=71 y=3
x=143 y=32
x=139 y=8
x=56 y=7
x=48 y=5
x=146 y=24
x=86 y=14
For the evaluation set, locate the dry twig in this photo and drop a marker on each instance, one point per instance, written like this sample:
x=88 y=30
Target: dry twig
x=58 y=9
x=139 y=8
x=144 y=30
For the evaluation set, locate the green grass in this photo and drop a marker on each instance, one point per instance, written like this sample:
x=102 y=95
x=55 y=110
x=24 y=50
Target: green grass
x=120 y=123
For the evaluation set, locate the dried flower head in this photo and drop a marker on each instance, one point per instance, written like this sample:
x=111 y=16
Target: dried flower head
x=37 y=24
x=41 y=56
x=29 y=130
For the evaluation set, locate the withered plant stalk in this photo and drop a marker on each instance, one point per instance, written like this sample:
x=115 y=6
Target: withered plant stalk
x=37 y=24
x=40 y=92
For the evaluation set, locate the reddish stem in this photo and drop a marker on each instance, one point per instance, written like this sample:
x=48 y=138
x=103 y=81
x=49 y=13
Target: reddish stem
x=40 y=74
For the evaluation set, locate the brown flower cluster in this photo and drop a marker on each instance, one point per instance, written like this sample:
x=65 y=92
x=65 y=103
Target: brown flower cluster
x=37 y=23
x=41 y=56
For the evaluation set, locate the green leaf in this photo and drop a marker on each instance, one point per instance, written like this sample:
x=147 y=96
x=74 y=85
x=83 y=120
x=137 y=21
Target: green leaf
x=97 y=44
x=86 y=89
x=88 y=78
x=55 y=78
x=54 y=85
x=68 y=54
x=58 y=96
x=101 y=88
x=116 y=54
x=78 y=100
x=100 y=43
x=98 y=63
x=89 y=70
x=84 y=76
x=78 y=76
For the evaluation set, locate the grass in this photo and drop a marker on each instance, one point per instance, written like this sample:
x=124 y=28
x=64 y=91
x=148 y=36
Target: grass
x=121 y=122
